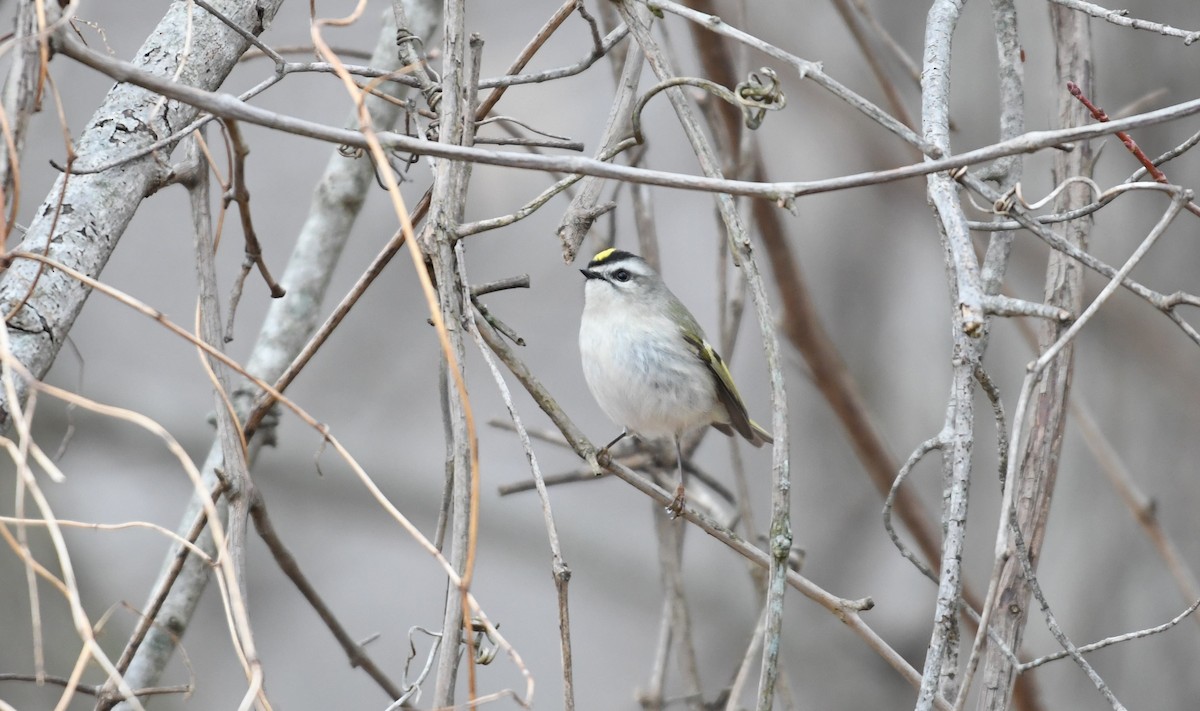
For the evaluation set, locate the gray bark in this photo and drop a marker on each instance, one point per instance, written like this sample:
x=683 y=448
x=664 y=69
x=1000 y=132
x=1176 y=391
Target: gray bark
x=84 y=216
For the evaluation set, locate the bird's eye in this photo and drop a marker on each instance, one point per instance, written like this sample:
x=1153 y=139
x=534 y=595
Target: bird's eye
x=621 y=275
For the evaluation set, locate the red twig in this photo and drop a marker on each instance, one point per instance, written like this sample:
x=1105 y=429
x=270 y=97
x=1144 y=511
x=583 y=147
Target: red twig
x=1099 y=114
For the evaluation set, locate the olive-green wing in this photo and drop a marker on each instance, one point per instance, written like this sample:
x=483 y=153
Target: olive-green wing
x=727 y=393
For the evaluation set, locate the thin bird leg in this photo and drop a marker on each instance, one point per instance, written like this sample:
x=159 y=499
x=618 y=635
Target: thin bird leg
x=676 y=507
x=602 y=456
x=623 y=435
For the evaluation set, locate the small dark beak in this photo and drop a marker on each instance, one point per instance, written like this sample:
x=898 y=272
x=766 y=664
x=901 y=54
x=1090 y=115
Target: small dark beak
x=589 y=274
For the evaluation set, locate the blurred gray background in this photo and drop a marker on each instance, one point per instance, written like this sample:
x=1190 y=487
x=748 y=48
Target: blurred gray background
x=874 y=264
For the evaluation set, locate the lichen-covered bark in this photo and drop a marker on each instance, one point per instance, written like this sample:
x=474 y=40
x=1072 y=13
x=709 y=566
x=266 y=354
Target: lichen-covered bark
x=83 y=216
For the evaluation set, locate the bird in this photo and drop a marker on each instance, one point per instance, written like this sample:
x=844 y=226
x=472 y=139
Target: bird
x=648 y=364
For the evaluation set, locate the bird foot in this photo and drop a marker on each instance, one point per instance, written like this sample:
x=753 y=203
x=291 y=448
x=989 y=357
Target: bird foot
x=603 y=458
x=675 y=508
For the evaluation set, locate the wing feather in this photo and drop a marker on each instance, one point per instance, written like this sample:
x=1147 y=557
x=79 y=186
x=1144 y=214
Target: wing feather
x=727 y=393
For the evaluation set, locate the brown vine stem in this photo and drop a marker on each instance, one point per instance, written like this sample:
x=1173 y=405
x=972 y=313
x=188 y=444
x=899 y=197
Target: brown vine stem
x=858 y=27
x=239 y=193
x=556 y=20
x=355 y=652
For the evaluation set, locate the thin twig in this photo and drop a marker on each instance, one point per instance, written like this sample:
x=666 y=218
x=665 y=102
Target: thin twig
x=1130 y=144
x=230 y=107
x=1108 y=641
x=849 y=12
x=100 y=691
x=1121 y=18
x=559 y=568
x=1032 y=469
x=355 y=652
x=848 y=611
x=239 y=193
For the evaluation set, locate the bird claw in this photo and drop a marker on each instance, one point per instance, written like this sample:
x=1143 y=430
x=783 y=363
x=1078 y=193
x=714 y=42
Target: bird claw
x=675 y=508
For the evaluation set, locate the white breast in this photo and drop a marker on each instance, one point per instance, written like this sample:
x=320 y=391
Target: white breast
x=640 y=372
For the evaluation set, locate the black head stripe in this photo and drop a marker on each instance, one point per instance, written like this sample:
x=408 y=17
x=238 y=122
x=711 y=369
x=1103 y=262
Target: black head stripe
x=609 y=256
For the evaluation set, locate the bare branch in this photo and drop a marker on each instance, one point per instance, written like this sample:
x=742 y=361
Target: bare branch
x=228 y=106
x=1121 y=18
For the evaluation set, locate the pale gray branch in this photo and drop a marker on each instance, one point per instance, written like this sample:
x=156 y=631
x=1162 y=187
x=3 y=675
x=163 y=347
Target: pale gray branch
x=231 y=107
x=285 y=331
x=1121 y=18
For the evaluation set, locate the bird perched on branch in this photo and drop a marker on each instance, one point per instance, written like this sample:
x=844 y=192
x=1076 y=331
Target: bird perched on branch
x=648 y=363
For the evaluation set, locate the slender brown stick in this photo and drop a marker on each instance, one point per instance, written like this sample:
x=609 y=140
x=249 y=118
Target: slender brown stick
x=291 y=568
x=239 y=193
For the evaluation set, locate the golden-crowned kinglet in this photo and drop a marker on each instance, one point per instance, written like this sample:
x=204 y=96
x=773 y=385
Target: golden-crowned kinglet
x=647 y=362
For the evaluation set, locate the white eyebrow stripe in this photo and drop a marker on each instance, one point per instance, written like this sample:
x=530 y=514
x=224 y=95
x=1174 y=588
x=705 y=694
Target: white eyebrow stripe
x=632 y=265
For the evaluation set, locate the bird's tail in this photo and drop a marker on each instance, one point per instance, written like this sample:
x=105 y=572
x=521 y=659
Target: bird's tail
x=761 y=436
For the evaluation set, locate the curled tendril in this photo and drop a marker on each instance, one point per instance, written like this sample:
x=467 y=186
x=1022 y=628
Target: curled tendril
x=1006 y=202
x=754 y=97
x=483 y=655
x=758 y=96
x=433 y=90
x=1058 y=189
x=1013 y=196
